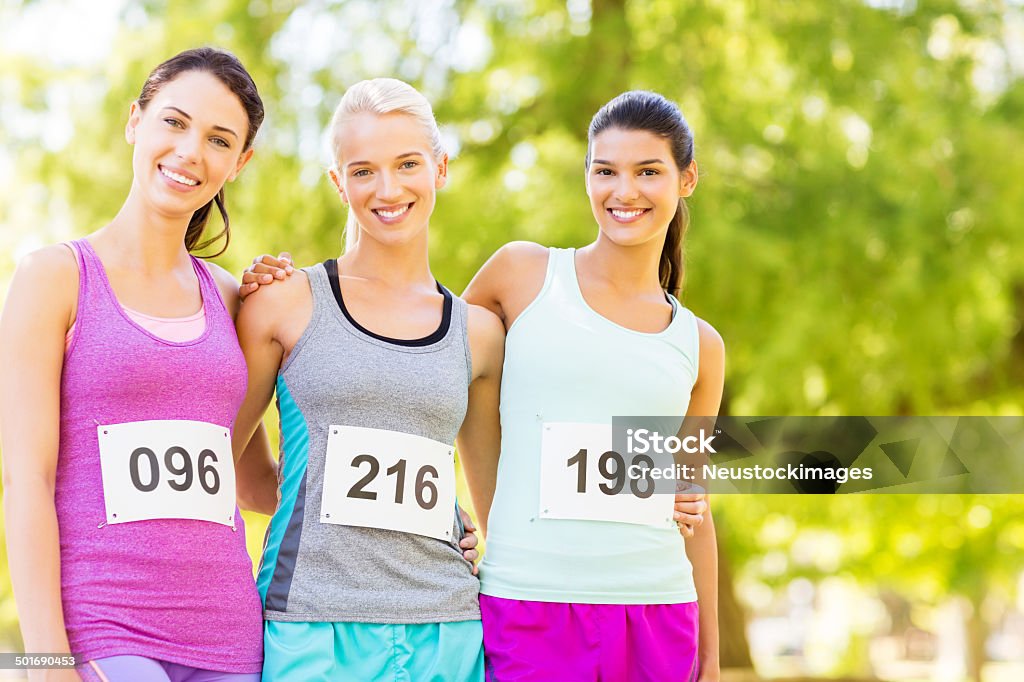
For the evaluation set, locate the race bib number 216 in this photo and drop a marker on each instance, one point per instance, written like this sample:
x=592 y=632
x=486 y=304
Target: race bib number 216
x=376 y=478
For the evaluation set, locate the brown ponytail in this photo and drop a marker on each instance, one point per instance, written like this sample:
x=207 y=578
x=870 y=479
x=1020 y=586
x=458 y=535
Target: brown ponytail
x=197 y=225
x=671 y=268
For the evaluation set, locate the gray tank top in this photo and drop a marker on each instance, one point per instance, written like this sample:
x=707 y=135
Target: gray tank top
x=342 y=374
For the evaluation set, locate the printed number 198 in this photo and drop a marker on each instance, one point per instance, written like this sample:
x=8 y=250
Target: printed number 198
x=641 y=486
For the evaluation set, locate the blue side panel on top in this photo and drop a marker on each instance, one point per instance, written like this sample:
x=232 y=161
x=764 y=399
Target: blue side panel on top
x=282 y=545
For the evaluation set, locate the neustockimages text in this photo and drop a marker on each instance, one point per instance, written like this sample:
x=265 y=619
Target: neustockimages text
x=643 y=441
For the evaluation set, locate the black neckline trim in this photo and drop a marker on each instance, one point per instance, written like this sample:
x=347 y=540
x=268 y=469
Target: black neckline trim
x=331 y=266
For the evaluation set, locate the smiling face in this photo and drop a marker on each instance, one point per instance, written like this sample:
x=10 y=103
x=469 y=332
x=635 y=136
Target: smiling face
x=188 y=142
x=634 y=185
x=387 y=175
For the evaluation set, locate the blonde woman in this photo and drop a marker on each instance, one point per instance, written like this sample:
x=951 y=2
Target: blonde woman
x=377 y=369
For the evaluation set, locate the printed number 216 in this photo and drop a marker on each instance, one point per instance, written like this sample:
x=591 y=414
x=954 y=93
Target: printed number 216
x=426 y=491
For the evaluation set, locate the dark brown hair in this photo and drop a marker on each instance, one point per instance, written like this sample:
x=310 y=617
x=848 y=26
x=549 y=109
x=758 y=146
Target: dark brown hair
x=649 y=111
x=226 y=68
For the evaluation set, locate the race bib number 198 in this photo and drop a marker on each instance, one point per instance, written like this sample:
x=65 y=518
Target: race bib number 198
x=386 y=479
x=581 y=477
x=167 y=469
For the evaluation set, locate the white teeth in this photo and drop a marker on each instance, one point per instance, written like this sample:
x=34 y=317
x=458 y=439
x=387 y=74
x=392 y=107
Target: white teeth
x=627 y=214
x=391 y=214
x=179 y=178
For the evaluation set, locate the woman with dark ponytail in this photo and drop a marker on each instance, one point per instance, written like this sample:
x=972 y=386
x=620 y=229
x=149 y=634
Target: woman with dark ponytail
x=123 y=377
x=578 y=583
x=652 y=113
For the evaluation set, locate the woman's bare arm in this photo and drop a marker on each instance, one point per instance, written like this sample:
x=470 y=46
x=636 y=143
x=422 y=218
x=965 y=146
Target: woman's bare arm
x=36 y=316
x=702 y=548
x=479 y=439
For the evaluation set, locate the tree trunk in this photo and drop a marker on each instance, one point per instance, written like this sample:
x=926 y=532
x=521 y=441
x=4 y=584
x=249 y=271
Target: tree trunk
x=732 y=621
x=977 y=632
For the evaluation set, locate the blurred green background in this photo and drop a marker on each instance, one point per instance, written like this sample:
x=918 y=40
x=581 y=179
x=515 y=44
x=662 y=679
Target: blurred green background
x=852 y=239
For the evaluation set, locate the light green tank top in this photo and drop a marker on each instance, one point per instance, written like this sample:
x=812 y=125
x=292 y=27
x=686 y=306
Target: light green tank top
x=567 y=364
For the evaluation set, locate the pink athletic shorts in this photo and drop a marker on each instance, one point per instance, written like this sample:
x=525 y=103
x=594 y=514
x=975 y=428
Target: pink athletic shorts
x=536 y=641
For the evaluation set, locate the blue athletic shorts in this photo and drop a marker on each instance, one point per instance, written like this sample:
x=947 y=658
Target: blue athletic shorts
x=370 y=652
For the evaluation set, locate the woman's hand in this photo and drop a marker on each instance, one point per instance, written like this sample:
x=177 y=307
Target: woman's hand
x=710 y=673
x=469 y=541
x=264 y=270
x=689 y=512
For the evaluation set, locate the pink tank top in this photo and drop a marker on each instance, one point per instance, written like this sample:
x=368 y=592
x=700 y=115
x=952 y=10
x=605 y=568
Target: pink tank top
x=186 y=328
x=177 y=590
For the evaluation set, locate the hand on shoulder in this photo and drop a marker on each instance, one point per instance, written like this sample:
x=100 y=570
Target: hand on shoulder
x=263 y=271
x=276 y=312
x=230 y=290
x=292 y=288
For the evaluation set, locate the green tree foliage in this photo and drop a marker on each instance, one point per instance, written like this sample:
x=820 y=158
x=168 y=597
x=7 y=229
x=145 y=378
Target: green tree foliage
x=851 y=237
x=854 y=221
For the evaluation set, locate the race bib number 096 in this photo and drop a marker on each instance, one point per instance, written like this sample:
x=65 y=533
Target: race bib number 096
x=375 y=478
x=582 y=477
x=167 y=469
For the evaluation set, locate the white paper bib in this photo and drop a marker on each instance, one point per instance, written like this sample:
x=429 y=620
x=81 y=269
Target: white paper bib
x=375 y=478
x=167 y=469
x=581 y=477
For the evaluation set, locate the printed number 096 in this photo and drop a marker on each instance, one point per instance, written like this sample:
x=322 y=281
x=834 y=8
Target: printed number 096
x=423 y=486
x=173 y=455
